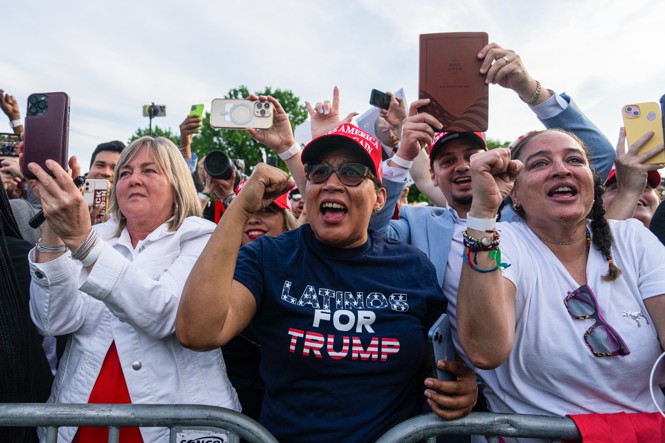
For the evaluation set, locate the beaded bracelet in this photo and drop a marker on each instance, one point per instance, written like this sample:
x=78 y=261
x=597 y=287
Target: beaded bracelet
x=494 y=255
x=481 y=244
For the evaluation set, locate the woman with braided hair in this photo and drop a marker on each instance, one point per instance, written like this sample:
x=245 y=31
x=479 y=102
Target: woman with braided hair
x=25 y=376
x=560 y=309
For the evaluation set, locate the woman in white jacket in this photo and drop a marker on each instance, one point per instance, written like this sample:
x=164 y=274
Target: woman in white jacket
x=115 y=289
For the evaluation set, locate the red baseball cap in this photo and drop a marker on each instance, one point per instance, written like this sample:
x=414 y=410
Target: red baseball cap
x=440 y=138
x=348 y=136
x=281 y=202
x=653 y=178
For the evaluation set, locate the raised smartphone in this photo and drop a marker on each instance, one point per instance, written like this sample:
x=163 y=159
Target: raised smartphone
x=441 y=341
x=240 y=114
x=197 y=110
x=98 y=192
x=379 y=99
x=46 y=133
x=450 y=77
x=638 y=119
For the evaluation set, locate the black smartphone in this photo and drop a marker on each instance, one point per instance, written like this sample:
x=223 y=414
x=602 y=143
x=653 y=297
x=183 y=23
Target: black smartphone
x=662 y=110
x=379 y=99
x=46 y=133
x=441 y=340
x=271 y=160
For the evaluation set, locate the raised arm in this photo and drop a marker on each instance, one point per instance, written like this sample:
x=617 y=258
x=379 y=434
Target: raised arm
x=280 y=139
x=631 y=176
x=214 y=307
x=417 y=132
x=506 y=68
x=485 y=299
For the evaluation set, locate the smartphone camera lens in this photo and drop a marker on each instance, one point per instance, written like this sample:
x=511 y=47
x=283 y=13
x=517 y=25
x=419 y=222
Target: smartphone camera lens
x=263 y=112
x=636 y=113
x=33 y=99
x=33 y=110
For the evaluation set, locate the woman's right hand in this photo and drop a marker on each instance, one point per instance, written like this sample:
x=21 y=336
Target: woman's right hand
x=63 y=204
x=264 y=185
x=493 y=174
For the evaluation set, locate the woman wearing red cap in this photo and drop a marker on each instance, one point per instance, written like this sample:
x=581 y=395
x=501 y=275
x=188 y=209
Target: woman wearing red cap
x=341 y=312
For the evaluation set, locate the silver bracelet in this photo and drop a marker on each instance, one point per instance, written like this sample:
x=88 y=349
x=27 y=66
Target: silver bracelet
x=50 y=249
x=82 y=251
x=94 y=253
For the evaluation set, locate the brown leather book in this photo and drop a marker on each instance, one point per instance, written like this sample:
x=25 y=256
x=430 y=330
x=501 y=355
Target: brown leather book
x=450 y=77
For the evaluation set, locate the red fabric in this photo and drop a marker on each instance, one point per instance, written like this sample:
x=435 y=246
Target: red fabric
x=219 y=210
x=621 y=427
x=395 y=213
x=109 y=388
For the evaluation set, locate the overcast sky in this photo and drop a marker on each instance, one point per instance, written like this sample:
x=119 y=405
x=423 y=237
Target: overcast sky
x=114 y=57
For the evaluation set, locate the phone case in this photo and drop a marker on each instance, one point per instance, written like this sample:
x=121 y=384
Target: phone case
x=240 y=114
x=441 y=340
x=379 y=99
x=197 y=110
x=450 y=77
x=98 y=191
x=640 y=118
x=46 y=133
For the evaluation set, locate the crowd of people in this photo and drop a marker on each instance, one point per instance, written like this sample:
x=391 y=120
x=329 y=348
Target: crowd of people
x=304 y=299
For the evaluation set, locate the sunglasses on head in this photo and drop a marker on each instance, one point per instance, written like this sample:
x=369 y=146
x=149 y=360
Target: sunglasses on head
x=349 y=174
x=601 y=338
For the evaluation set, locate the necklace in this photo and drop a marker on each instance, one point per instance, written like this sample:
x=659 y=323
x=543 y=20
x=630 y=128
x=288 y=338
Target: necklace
x=566 y=243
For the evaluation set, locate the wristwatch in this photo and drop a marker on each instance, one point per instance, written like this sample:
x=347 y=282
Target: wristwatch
x=226 y=201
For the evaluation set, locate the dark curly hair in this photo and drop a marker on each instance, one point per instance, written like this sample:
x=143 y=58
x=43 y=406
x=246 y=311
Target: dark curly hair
x=601 y=235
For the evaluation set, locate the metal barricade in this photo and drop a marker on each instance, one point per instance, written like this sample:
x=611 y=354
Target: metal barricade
x=213 y=424
x=483 y=423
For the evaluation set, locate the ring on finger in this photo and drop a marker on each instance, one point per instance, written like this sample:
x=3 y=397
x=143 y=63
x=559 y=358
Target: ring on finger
x=506 y=59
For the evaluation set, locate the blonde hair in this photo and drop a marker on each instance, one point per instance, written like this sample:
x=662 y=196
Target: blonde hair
x=168 y=157
x=290 y=220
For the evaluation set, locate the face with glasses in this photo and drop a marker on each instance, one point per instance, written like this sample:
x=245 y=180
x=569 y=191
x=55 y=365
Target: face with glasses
x=341 y=196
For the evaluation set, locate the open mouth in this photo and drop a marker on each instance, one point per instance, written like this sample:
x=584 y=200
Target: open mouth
x=462 y=180
x=333 y=212
x=255 y=233
x=564 y=191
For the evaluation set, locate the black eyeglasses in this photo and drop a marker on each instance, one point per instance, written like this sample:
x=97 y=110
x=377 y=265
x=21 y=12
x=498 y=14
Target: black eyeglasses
x=600 y=338
x=349 y=174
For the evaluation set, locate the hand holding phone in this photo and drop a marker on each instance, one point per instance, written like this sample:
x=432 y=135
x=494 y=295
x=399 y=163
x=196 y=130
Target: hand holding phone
x=240 y=114
x=379 y=99
x=46 y=134
x=441 y=342
x=640 y=118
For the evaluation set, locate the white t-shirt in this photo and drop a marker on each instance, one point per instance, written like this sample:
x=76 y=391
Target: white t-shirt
x=551 y=371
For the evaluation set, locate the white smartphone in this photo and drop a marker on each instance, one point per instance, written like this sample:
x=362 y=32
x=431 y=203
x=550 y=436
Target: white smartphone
x=98 y=192
x=240 y=114
x=441 y=340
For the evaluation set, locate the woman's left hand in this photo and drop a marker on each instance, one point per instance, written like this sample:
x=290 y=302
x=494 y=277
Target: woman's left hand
x=452 y=399
x=63 y=204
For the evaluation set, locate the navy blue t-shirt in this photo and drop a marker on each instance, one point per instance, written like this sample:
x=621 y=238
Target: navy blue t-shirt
x=342 y=333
